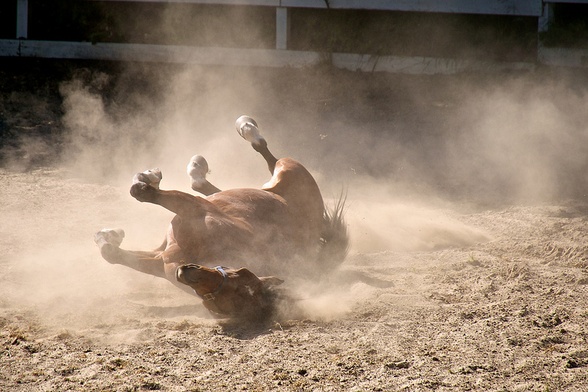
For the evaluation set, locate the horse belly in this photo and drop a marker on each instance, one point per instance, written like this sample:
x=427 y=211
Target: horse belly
x=248 y=227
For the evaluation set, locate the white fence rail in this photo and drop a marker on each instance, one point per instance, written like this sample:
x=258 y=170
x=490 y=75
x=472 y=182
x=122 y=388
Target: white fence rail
x=494 y=7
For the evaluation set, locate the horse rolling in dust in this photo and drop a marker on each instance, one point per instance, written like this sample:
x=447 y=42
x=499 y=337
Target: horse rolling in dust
x=282 y=228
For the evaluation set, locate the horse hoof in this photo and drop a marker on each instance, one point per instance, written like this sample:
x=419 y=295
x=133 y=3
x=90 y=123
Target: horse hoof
x=248 y=129
x=109 y=236
x=197 y=170
x=197 y=167
x=150 y=177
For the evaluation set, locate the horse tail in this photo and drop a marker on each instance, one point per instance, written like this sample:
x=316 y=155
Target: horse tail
x=334 y=244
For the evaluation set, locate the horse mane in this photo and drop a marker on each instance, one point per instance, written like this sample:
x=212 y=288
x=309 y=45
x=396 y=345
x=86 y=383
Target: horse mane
x=334 y=237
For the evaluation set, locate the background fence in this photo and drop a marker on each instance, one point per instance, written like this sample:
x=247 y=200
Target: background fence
x=418 y=36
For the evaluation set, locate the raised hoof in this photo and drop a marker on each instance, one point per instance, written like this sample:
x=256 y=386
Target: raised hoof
x=112 y=237
x=248 y=129
x=150 y=177
x=197 y=170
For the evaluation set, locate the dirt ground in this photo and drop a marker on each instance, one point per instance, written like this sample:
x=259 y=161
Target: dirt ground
x=477 y=270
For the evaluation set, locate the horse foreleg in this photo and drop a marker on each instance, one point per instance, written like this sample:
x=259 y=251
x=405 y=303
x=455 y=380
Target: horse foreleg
x=159 y=263
x=148 y=262
x=248 y=129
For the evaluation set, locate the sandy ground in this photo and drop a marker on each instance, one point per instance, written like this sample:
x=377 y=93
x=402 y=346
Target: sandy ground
x=467 y=294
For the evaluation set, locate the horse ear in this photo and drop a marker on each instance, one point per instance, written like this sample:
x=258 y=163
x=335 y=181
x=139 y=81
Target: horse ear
x=269 y=281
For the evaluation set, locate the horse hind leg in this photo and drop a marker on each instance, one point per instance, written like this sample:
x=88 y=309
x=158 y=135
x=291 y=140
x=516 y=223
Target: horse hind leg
x=248 y=129
x=197 y=170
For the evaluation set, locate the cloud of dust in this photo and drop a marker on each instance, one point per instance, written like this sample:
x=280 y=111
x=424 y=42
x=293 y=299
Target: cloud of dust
x=382 y=221
x=403 y=147
x=510 y=142
x=522 y=141
x=195 y=114
x=326 y=301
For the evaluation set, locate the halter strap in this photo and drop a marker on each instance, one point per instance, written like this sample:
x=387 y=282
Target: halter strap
x=211 y=296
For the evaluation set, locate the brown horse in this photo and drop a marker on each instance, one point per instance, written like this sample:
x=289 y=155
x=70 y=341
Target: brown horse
x=282 y=228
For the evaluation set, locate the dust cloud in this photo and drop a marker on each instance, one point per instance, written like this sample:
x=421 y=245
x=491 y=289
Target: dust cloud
x=413 y=153
x=523 y=142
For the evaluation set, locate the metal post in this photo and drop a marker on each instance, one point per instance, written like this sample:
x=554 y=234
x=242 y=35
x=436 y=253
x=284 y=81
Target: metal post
x=281 y=28
x=22 y=19
x=546 y=19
